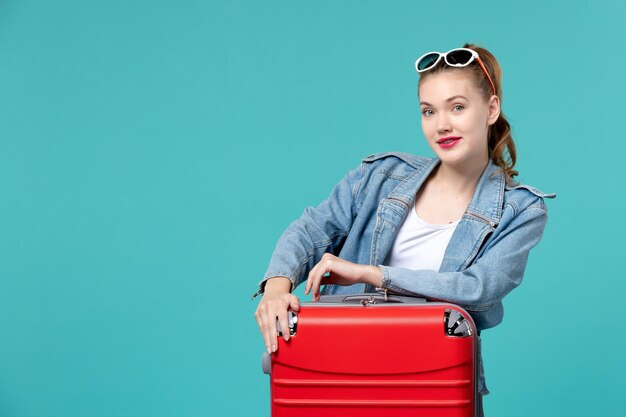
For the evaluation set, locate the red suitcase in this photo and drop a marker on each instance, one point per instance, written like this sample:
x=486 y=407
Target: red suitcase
x=365 y=356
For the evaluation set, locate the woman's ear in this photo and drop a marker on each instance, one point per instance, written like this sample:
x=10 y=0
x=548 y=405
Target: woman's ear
x=494 y=109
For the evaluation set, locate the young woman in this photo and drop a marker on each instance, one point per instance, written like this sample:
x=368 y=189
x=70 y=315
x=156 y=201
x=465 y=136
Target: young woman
x=456 y=228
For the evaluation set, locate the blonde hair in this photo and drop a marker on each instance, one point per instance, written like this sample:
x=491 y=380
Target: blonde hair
x=500 y=142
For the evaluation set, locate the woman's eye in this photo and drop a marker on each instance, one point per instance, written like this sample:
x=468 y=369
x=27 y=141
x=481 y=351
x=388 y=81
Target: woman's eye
x=458 y=106
x=426 y=112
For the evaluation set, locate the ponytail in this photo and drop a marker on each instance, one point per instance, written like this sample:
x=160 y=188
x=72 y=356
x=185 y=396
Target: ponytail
x=500 y=142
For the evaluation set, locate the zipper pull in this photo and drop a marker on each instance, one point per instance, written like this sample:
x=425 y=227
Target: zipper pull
x=384 y=290
x=256 y=294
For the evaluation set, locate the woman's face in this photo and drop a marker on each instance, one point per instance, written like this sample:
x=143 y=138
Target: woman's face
x=456 y=119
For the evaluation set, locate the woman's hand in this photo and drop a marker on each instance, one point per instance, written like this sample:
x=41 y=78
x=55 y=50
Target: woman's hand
x=276 y=302
x=340 y=272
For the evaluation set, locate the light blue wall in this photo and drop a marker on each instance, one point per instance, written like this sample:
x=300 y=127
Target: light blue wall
x=152 y=152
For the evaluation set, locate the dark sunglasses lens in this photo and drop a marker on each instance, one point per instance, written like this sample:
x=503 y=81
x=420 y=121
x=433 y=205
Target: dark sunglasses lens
x=427 y=62
x=459 y=57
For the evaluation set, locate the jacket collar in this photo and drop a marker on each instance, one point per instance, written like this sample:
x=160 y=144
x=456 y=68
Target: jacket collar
x=488 y=198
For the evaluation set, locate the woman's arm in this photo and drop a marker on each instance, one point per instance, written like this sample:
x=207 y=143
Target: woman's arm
x=319 y=230
x=485 y=283
x=492 y=276
x=299 y=248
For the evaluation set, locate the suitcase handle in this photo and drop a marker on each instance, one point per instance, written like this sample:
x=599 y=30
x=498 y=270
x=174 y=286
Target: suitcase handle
x=363 y=299
x=371 y=298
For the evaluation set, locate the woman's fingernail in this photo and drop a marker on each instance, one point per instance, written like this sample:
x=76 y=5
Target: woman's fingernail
x=269 y=351
x=273 y=348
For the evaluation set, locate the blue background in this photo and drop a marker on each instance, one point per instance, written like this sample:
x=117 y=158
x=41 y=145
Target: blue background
x=152 y=152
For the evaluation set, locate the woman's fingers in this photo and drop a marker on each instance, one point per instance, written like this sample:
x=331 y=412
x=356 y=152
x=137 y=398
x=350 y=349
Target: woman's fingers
x=284 y=323
x=317 y=274
x=294 y=303
x=274 y=305
x=333 y=270
x=323 y=267
x=275 y=308
x=271 y=327
x=316 y=289
x=309 y=281
x=261 y=319
x=315 y=283
x=266 y=319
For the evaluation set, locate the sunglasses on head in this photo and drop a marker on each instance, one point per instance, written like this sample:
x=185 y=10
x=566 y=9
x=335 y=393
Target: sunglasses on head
x=458 y=57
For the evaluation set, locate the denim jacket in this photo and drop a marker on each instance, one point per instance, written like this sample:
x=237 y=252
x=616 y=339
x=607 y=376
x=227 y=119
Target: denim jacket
x=484 y=260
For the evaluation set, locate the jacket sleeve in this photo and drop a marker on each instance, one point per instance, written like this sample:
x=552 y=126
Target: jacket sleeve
x=319 y=230
x=497 y=271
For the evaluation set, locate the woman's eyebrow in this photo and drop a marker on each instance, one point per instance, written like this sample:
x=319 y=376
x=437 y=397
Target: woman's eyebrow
x=449 y=99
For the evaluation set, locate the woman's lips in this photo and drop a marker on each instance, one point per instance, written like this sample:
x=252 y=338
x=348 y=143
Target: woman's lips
x=448 y=142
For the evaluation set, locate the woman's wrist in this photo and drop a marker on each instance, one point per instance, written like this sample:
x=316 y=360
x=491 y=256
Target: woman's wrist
x=373 y=275
x=278 y=284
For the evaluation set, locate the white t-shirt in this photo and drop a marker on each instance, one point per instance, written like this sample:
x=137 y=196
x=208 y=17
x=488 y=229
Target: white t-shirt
x=420 y=245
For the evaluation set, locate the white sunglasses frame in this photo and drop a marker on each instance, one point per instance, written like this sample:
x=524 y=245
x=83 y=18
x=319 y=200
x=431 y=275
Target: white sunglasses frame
x=444 y=55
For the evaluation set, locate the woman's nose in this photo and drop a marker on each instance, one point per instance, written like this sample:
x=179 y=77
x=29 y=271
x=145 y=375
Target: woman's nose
x=443 y=124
